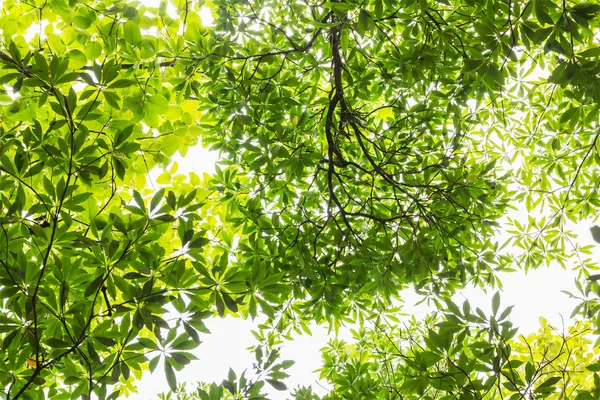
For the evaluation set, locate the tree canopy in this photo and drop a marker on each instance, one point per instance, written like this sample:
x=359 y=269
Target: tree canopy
x=365 y=147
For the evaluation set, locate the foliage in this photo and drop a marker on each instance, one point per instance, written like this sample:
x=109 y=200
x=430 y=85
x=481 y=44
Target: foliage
x=366 y=147
x=267 y=371
x=93 y=258
x=460 y=354
x=464 y=355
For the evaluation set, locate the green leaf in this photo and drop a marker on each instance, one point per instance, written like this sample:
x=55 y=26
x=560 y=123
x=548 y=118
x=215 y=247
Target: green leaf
x=92 y=49
x=147 y=343
x=156 y=105
x=549 y=382
x=541 y=11
x=131 y=32
x=170 y=374
x=287 y=364
x=106 y=341
x=277 y=384
x=568 y=115
x=123 y=135
x=80 y=198
x=505 y=313
x=93 y=287
x=495 y=303
x=137 y=197
x=41 y=64
x=57 y=343
x=77 y=59
x=586 y=11
x=70 y=77
x=121 y=83
x=594 y=367
x=230 y=303
x=134 y=275
x=199 y=243
x=156 y=199
x=340 y=6
x=472 y=64
x=229 y=386
x=219 y=304
x=9 y=338
x=112 y=99
x=187 y=236
x=72 y=99
x=14 y=51
x=363 y=22
x=595 y=230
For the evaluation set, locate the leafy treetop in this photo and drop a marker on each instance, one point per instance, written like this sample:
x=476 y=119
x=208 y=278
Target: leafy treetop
x=366 y=146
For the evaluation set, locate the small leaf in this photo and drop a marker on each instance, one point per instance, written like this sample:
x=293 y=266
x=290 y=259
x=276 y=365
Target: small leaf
x=198 y=243
x=230 y=303
x=106 y=341
x=156 y=199
x=549 y=382
x=363 y=22
x=170 y=373
x=133 y=275
x=341 y=6
x=156 y=104
x=192 y=332
x=185 y=344
x=41 y=63
x=594 y=367
x=147 y=343
x=14 y=51
x=57 y=343
x=229 y=386
x=72 y=99
x=70 y=77
x=112 y=99
x=277 y=384
x=586 y=10
x=8 y=339
x=139 y=200
x=131 y=32
x=121 y=83
x=171 y=200
x=505 y=313
x=187 y=236
x=495 y=303
x=220 y=305
x=123 y=135
x=94 y=286
x=287 y=364
x=541 y=11
x=81 y=197
x=153 y=363
x=595 y=233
